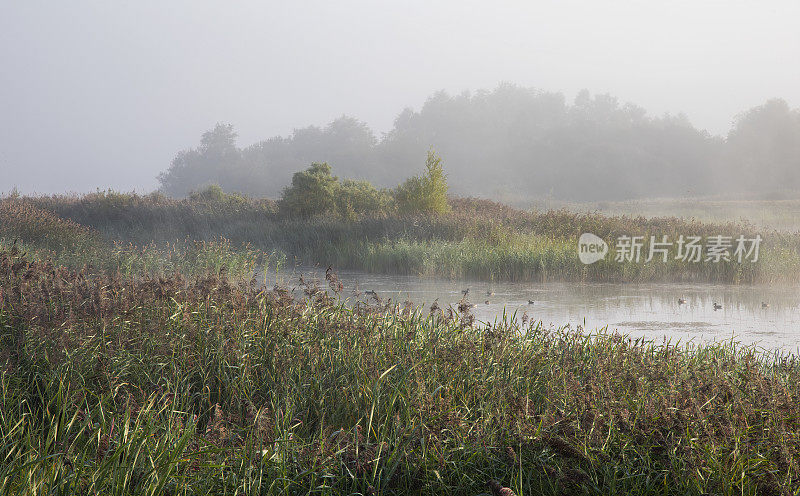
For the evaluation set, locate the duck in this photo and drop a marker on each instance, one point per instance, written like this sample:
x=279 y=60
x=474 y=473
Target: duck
x=681 y=301
x=717 y=306
x=530 y=302
x=486 y=302
x=370 y=292
x=465 y=292
x=498 y=490
x=490 y=293
x=764 y=305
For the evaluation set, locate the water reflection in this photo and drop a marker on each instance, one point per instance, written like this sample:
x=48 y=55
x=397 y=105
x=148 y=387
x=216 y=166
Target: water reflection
x=641 y=310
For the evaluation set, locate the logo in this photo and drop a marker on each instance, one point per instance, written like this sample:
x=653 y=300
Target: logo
x=591 y=248
x=693 y=249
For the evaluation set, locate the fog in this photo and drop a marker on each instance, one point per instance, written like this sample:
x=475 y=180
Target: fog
x=105 y=95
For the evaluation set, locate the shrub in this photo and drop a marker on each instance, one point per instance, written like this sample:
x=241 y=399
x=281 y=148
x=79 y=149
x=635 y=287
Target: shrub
x=211 y=193
x=312 y=192
x=315 y=191
x=214 y=197
x=361 y=197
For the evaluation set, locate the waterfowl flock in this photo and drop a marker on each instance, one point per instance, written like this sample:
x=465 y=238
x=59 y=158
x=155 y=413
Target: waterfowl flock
x=681 y=301
x=718 y=306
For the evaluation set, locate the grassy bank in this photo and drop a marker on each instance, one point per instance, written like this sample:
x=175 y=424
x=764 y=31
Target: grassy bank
x=111 y=384
x=478 y=239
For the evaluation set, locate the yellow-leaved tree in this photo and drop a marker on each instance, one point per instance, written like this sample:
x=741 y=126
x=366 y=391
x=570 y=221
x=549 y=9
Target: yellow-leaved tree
x=426 y=193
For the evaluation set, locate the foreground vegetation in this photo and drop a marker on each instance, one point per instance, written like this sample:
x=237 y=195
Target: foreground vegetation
x=139 y=354
x=114 y=384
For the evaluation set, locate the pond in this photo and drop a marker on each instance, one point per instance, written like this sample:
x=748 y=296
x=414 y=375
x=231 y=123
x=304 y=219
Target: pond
x=767 y=316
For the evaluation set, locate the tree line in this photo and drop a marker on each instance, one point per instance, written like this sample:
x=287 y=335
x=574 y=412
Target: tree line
x=517 y=144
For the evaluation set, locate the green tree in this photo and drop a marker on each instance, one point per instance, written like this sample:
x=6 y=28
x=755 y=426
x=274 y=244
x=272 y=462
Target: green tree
x=312 y=192
x=361 y=197
x=426 y=193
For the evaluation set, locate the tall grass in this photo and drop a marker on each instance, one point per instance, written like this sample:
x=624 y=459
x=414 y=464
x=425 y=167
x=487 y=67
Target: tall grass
x=40 y=234
x=141 y=219
x=778 y=213
x=478 y=239
x=140 y=385
x=532 y=257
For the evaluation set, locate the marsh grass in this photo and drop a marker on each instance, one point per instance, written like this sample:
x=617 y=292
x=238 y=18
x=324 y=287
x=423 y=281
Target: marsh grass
x=40 y=234
x=478 y=239
x=781 y=214
x=534 y=257
x=114 y=384
x=142 y=219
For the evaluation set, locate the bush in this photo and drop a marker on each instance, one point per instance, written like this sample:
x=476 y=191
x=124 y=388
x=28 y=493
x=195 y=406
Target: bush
x=315 y=191
x=426 y=193
x=214 y=197
x=312 y=192
x=361 y=197
x=212 y=193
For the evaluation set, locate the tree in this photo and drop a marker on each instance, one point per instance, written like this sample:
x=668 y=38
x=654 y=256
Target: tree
x=426 y=193
x=361 y=197
x=216 y=161
x=763 y=148
x=312 y=192
x=221 y=139
x=315 y=191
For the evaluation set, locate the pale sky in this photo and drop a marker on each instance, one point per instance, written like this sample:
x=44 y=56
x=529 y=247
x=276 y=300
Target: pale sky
x=103 y=94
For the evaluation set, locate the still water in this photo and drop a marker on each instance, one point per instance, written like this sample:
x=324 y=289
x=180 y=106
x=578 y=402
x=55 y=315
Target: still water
x=767 y=316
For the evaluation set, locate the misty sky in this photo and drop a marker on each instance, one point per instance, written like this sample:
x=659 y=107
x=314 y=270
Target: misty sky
x=103 y=94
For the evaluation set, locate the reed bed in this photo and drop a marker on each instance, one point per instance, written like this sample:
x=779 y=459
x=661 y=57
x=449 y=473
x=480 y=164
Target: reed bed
x=39 y=234
x=478 y=239
x=778 y=213
x=141 y=219
x=123 y=384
